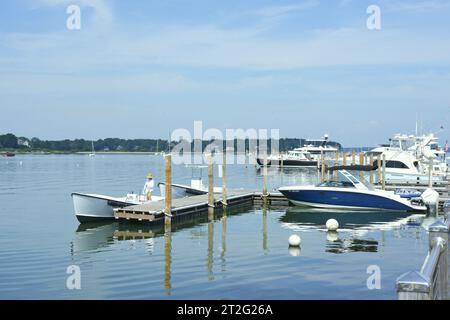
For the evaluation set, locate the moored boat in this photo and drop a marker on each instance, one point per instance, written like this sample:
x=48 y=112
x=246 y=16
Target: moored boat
x=93 y=207
x=349 y=194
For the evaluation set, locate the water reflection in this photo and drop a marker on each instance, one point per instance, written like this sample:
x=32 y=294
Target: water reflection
x=92 y=237
x=167 y=259
x=306 y=218
x=264 y=229
x=354 y=227
x=224 y=240
x=348 y=244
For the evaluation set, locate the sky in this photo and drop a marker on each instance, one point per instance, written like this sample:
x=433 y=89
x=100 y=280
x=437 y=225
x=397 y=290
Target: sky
x=141 y=69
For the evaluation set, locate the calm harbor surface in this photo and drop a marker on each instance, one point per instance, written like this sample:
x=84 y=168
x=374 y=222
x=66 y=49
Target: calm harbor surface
x=243 y=255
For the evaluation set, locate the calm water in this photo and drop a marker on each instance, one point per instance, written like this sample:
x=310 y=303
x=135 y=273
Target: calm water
x=241 y=256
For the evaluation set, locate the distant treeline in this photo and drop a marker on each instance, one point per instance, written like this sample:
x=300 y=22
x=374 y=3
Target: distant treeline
x=10 y=141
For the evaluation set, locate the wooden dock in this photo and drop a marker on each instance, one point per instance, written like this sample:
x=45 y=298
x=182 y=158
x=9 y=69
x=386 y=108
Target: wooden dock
x=154 y=212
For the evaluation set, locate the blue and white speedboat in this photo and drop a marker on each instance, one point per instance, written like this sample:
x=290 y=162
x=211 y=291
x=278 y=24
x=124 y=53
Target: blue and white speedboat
x=349 y=194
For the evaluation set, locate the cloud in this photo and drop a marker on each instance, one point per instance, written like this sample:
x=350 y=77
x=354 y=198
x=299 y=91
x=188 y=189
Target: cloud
x=274 y=11
x=420 y=6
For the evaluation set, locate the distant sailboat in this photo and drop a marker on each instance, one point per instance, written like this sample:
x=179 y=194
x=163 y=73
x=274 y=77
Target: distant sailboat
x=93 y=150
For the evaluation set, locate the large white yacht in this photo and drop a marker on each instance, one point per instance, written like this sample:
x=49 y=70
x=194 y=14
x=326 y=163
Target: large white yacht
x=408 y=159
x=307 y=156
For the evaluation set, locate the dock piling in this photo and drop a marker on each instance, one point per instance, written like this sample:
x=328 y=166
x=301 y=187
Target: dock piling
x=371 y=171
x=210 y=188
x=168 y=190
x=224 y=180
x=379 y=169
x=361 y=162
x=265 y=179
x=430 y=173
x=322 y=167
x=336 y=163
x=383 y=175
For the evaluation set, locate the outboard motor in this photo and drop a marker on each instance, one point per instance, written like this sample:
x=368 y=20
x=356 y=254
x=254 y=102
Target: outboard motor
x=431 y=199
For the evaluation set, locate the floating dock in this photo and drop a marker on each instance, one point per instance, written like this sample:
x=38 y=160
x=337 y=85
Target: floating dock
x=154 y=212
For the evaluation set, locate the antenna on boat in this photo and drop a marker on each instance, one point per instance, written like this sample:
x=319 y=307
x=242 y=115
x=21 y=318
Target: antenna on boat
x=417 y=126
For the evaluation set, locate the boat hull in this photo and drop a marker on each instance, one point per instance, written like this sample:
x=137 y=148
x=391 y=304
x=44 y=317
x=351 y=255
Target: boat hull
x=348 y=200
x=90 y=208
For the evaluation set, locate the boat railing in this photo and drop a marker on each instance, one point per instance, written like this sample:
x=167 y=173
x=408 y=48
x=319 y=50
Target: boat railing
x=431 y=282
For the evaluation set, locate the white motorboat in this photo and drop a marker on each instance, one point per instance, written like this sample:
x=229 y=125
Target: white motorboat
x=348 y=194
x=91 y=207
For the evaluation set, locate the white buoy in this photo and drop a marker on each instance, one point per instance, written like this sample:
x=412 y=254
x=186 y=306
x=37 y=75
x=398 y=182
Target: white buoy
x=295 y=241
x=332 y=225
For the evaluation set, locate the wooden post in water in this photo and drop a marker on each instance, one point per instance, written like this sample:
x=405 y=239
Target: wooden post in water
x=361 y=162
x=353 y=157
x=224 y=180
x=379 y=169
x=383 y=176
x=344 y=159
x=336 y=163
x=430 y=173
x=168 y=191
x=265 y=179
x=371 y=171
x=210 y=188
x=322 y=167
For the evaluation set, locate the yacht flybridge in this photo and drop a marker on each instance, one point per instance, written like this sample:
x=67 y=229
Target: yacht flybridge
x=349 y=194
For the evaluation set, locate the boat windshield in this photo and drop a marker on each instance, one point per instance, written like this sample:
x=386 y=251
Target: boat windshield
x=345 y=176
x=337 y=184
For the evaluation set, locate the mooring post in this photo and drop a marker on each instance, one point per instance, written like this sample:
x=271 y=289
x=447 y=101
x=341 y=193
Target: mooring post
x=383 y=176
x=265 y=179
x=379 y=169
x=210 y=182
x=371 y=171
x=322 y=167
x=336 y=163
x=168 y=190
x=361 y=162
x=344 y=159
x=224 y=179
x=430 y=173
x=353 y=157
